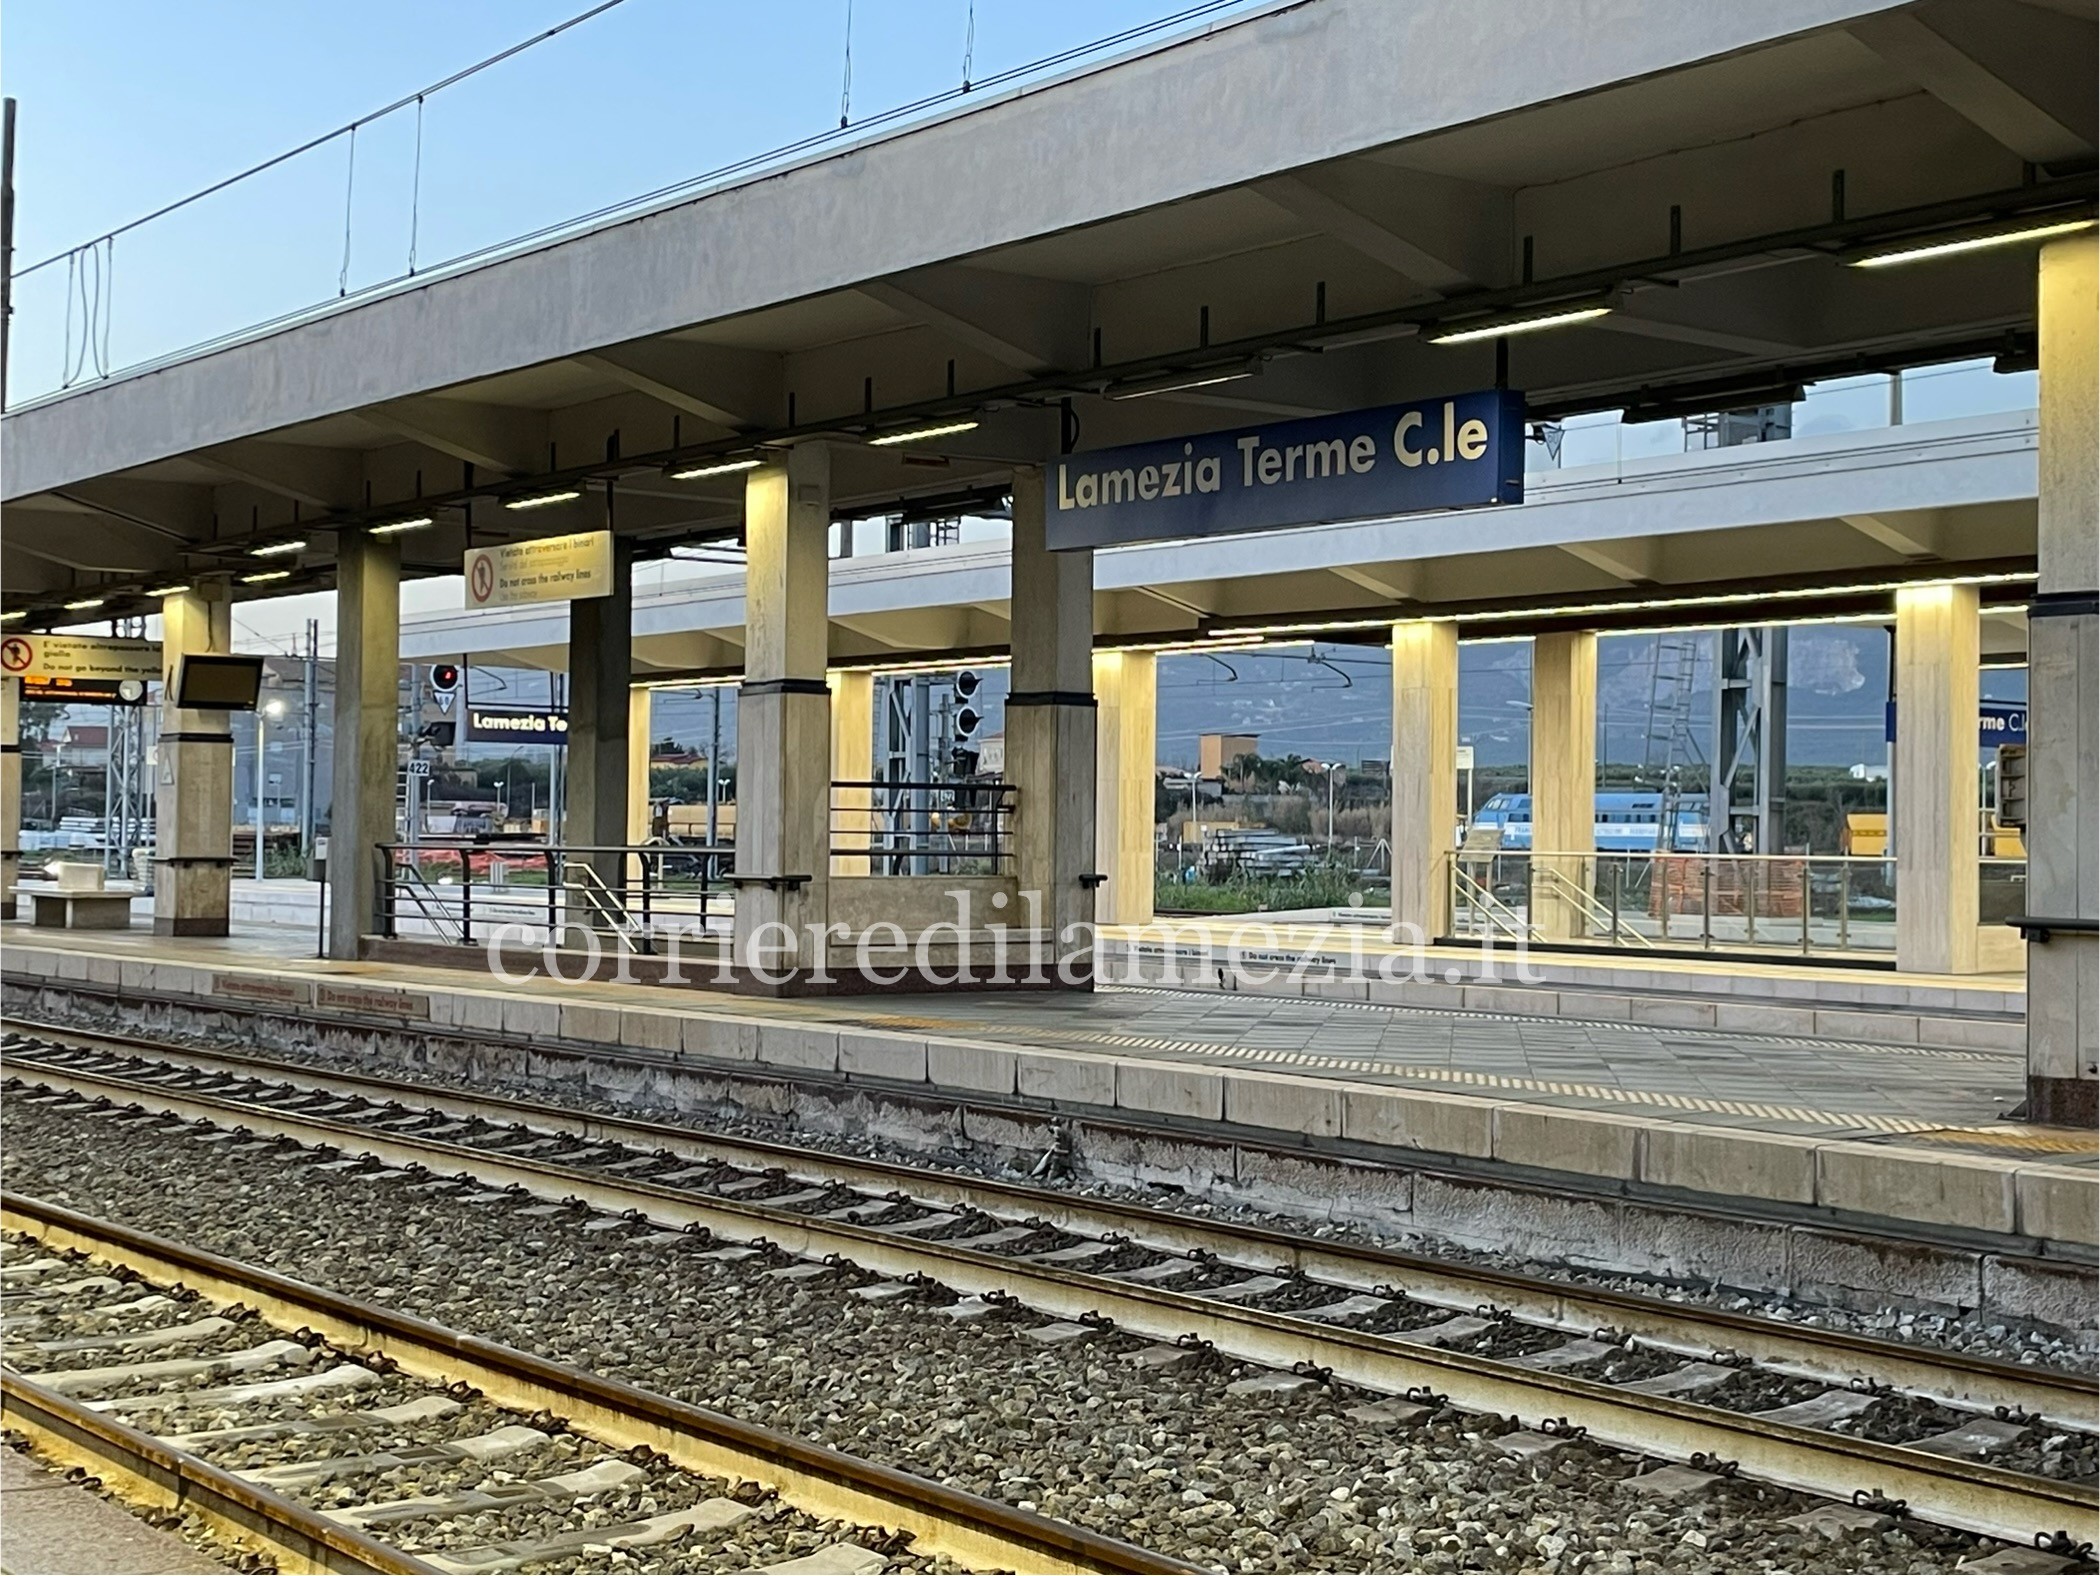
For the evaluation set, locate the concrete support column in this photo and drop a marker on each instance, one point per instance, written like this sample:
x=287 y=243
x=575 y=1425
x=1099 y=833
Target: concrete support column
x=783 y=720
x=640 y=716
x=1126 y=685
x=1563 y=780
x=1050 y=730
x=1425 y=776
x=367 y=732
x=1936 y=799
x=2063 y=701
x=193 y=799
x=10 y=792
x=601 y=680
x=852 y=761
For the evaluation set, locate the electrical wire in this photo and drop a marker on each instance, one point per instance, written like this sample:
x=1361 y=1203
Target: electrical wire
x=342 y=284
x=660 y=194
x=329 y=136
x=415 y=190
x=846 y=90
x=969 y=45
x=108 y=303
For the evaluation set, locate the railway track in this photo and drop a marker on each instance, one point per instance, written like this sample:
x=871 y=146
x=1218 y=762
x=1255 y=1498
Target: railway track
x=1955 y=1439
x=155 y=1365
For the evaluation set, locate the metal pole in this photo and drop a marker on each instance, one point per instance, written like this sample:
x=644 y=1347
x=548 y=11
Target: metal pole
x=714 y=770
x=260 y=727
x=7 y=236
x=1195 y=837
x=310 y=727
x=557 y=787
x=921 y=770
x=1807 y=903
x=109 y=774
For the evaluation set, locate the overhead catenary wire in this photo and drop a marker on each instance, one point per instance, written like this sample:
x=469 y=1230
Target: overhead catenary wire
x=846 y=88
x=415 y=189
x=643 y=200
x=342 y=285
x=327 y=137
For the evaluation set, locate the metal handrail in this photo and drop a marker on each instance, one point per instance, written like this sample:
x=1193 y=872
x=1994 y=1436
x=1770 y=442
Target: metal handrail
x=1480 y=898
x=1585 y=902
x=420 y=892
x=1647 y=900
x=653 y=883
x=581 y=880
x=898 y=827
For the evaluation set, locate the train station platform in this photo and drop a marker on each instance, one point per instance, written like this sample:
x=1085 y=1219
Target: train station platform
x=1865 y=1127
x=55 y=1527
x=1346 y=956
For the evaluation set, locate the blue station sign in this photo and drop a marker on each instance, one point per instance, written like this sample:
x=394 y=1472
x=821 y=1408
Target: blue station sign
x=1997 y=722
x=1455 y=452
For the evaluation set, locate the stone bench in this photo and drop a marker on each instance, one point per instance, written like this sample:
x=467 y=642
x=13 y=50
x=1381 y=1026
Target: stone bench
x=57 y=907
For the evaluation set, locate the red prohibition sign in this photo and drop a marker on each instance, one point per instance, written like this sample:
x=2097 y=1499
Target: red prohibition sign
x=484 y=578
x=16 y=654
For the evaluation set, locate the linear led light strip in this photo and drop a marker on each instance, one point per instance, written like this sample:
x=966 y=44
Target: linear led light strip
x=916 y=434
x=1602 y=609
x=1919 y=250
x=541 y=500
x=714 y=468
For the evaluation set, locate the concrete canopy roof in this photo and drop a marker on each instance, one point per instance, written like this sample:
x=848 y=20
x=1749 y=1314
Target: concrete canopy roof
x=1292 y=195
x=1845 y=510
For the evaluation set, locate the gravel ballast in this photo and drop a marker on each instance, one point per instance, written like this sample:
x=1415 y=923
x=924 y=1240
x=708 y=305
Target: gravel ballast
x=1973 y=1334
x=1158 y=1455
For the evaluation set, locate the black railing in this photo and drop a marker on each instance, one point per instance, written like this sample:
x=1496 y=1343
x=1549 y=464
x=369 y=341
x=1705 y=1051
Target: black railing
x=921 y=828
x=635 y=894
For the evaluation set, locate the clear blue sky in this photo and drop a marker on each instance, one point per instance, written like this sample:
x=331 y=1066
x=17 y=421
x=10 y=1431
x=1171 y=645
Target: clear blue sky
x=125 y=104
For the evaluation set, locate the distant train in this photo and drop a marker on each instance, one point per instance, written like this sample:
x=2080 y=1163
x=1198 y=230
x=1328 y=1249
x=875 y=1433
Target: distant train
x=1627 y=823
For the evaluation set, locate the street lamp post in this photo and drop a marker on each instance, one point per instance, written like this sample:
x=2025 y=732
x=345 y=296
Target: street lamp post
x=268 y=709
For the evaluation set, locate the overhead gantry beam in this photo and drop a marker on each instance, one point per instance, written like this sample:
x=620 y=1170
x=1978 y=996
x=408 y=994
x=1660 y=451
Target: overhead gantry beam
x=1913 y=537
x=1036 y=326
x=88 y=542
x=1446 y=235
x=325 y=479
x=493 y=438
x=736 y=389
x=1653 y=315
x=2033 y=96
x=921 y=629
x=1394 y=582
x=1635 y=562
x=174 y=511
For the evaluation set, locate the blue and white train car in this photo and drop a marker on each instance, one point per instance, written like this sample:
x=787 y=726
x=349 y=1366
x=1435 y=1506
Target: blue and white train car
x=1627 y=823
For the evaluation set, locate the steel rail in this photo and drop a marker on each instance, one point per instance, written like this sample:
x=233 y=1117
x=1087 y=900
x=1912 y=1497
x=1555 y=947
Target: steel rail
x=1970 y=1495
x=977 y=1532
x=147 y=1471
x=1838 y=1355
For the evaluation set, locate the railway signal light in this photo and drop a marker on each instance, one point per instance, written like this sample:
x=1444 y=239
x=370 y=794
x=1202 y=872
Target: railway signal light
x=2012 y=784
x=962 y=753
